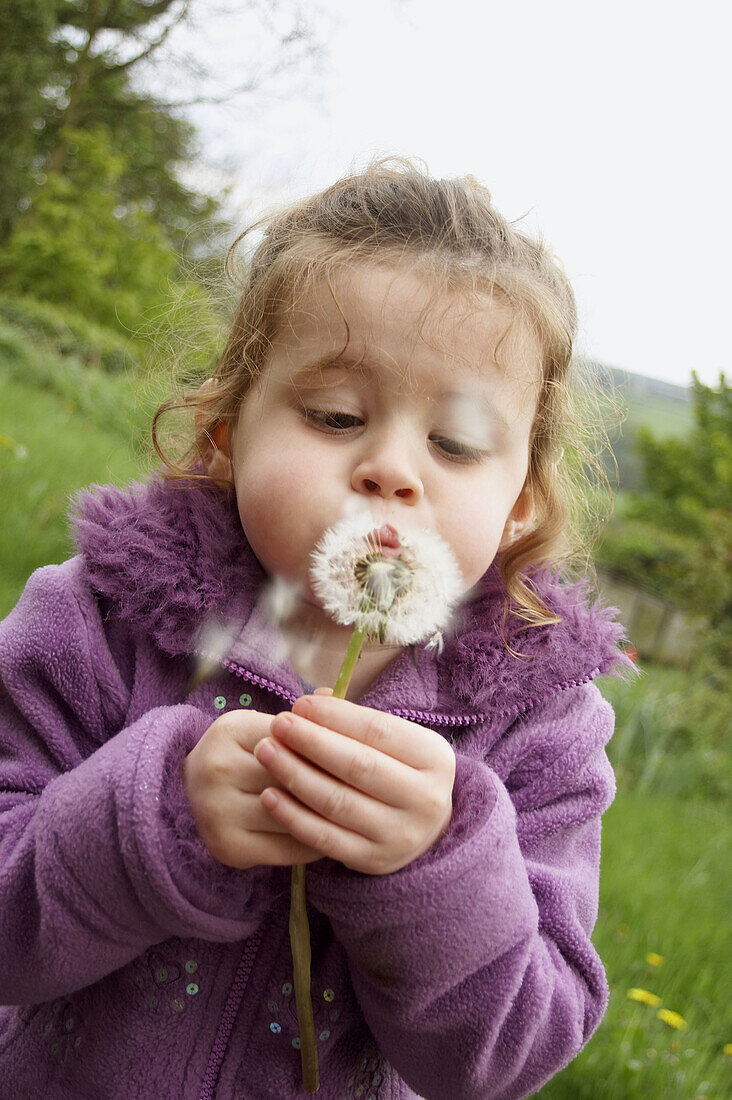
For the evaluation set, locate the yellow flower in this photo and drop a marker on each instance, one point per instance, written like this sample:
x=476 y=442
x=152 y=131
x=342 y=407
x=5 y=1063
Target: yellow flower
x=728 y=1049
x=671 y=1018
x=655 y=960
x=644 y=996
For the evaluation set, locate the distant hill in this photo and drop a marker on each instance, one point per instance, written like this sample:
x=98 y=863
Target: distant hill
x=665 y=408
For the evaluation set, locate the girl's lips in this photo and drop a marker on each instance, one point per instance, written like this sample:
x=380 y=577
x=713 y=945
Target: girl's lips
x=386 y=539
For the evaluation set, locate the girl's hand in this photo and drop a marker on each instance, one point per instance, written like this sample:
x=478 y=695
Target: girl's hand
x=223 y=782
x=360 y=786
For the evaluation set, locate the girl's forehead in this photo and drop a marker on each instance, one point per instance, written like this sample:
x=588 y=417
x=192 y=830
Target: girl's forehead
x=389 y=320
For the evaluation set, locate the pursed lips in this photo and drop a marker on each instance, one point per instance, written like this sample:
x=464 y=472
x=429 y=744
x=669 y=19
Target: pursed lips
x=386 y=540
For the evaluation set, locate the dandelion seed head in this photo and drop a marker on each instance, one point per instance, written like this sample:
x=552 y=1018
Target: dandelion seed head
x=399 y=594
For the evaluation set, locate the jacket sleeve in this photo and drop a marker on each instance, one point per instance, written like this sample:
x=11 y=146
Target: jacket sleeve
x=473 y=965
x=99 y=855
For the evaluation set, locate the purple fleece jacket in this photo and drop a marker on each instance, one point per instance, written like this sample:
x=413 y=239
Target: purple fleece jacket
x=134 y=965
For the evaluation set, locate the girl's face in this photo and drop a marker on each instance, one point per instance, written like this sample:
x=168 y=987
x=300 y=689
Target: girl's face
x=405 y=412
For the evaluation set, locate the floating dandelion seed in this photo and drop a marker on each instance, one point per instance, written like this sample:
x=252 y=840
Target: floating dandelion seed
x=17 y=449
x=279 y=599
x=277 y=602
x=399 y=591
x=214 y=642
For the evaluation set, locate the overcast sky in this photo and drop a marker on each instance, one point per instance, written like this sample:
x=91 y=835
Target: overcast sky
x=608 y=126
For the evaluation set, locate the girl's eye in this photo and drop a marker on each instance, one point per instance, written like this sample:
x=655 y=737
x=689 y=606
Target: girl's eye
x=457 y=451
x=337 y=423
x=331 y=420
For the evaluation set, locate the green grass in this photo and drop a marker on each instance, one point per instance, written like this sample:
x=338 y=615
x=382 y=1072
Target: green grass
x=47 y=451
x=63 y=426
x=672 y=732
x=663 y=889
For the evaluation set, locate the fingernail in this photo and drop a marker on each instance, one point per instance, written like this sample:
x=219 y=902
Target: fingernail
x=265 y=752
x=281 y=724
x=269 y=800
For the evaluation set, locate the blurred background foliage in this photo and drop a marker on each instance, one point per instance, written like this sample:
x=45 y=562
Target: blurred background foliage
x=110 y=271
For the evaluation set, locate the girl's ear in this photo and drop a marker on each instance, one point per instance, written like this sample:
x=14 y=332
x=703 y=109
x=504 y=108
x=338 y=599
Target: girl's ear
x=214 y=446
x=519 y=520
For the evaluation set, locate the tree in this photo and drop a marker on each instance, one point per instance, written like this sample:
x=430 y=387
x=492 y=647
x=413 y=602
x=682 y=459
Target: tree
x=93 y=213
x=103 y=260
x=67 y=66
x=675 y=536
x=27 y=69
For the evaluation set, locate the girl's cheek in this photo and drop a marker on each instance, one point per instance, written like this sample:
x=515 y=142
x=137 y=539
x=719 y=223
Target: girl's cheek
x=475 y=547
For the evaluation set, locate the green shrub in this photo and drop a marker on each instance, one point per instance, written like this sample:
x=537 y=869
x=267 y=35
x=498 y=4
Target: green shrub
x=68 y=333
x=110 y=402
x=670 y=732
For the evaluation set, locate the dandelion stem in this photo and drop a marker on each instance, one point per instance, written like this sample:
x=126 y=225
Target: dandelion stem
x=299 y=927
x=300 y=944
x=349 y=663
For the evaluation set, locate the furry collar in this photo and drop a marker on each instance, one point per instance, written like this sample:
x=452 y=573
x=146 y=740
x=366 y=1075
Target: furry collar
x=171 y=555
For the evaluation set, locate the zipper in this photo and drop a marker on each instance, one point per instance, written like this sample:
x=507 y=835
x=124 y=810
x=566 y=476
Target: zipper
x=228 y=1016
x=427 y=718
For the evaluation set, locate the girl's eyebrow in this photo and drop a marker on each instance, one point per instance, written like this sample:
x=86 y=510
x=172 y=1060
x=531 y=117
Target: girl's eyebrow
x=312 y=372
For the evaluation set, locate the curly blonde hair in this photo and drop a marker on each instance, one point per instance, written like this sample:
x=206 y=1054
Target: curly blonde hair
x=390 y=212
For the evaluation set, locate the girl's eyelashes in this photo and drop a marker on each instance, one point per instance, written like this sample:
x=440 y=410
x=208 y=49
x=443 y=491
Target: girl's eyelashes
x=457 y=451
x=334 y=422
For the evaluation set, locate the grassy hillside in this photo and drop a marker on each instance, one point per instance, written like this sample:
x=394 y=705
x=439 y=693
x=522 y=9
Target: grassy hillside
x=662 y=406
x=646 y=403
x=48 y=450
x=63 y=425
x=662 y=892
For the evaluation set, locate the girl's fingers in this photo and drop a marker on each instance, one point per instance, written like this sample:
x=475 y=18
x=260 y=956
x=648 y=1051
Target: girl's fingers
x=356 y=764
x=244 y=811
x=279 y=850
x=404 y=741
x=322 y=836
x=269 y=848
x=332 y=801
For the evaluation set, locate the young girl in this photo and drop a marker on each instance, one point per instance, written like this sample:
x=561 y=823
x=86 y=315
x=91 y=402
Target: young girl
x=400 y=347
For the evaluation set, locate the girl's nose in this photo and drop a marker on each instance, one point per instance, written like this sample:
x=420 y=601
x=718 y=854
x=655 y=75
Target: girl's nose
x=388 y=475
